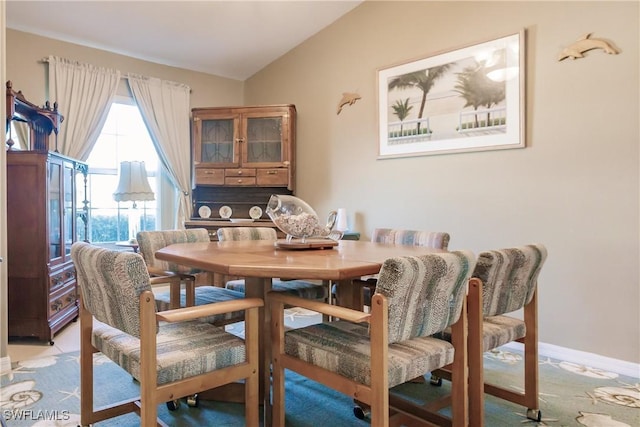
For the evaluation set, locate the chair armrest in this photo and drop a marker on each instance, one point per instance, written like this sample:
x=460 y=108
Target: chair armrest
x=154 y=271
x=332 y=310
x=195 y=312
x=159 y=280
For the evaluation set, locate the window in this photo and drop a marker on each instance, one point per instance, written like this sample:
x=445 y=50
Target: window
x=124 y=137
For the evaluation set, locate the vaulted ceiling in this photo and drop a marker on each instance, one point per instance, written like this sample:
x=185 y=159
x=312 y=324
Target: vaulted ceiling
x=233 y=39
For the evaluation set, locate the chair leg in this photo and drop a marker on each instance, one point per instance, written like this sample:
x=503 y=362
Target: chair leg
x=277 y=370
x=475 y=349
x=252 y=382
x=460 y=371
x=148 y=368
x=86 y=367
x=190 y=291
x=531 y=390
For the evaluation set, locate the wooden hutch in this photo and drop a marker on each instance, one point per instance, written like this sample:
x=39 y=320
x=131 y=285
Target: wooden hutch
x=47 y=211
x=242 y=155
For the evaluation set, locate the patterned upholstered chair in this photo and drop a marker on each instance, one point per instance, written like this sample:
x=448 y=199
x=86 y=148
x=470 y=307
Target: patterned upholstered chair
x=150 y=242
x=430 y=239
x=172 y=354
x=505 y=281
x=300 y=288
x=366 y=354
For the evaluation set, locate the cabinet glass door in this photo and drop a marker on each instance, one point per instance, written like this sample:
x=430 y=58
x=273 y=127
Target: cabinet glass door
x=217 y=141
x=263 y=140
x=69 y=217
x=55 y=214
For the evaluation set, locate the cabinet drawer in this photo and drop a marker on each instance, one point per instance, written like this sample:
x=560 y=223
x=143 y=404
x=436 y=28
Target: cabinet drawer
x=240 y=181
x=273 y=177
x=63 y=298
x=210 y=176
x=239 y=172
x=62 y=277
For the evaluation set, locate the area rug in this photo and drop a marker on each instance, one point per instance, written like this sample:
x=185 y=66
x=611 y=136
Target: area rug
x=45 y=392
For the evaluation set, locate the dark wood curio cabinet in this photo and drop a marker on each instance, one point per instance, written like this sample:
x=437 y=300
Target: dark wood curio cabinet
x=46 y=214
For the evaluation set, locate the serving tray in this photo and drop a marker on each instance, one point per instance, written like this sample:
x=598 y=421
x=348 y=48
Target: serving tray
x=307 y=244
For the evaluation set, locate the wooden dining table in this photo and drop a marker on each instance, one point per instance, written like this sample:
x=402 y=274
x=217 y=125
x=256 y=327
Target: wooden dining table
x=261 y=261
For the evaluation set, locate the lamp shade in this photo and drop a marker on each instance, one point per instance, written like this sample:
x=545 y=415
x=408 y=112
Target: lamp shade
x=133 y=184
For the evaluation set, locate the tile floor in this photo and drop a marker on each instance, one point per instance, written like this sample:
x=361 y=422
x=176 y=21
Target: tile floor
x=65 y=341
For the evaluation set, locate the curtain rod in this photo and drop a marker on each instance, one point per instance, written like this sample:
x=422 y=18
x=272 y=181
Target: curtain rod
x=123 y=76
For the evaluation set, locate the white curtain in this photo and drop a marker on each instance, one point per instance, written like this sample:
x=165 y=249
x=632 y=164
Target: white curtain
x=164 y=107
x=84 y=94
x=21 y=137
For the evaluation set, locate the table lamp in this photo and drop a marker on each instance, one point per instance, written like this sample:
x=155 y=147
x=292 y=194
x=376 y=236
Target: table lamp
x=133 y=187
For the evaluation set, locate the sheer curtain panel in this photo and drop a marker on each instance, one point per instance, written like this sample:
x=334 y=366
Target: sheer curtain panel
x=84 y=94
x=164 y=107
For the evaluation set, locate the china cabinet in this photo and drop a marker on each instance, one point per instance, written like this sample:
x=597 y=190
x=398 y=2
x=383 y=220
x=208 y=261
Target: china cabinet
x=242 y=155
x=46 y=214
x=244 y=146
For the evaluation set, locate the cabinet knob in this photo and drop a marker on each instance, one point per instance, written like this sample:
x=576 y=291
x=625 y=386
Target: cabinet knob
x=272 y=172
x=286 y=162
x=238 y=140
x=239 y=181
x=239 y=172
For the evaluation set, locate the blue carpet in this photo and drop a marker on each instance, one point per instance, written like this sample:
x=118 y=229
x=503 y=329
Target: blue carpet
x=45 y=392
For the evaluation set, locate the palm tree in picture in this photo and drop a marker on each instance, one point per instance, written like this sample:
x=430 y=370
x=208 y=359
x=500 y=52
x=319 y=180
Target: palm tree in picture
x=479 y=90
x=423 y=80
x=401 y=110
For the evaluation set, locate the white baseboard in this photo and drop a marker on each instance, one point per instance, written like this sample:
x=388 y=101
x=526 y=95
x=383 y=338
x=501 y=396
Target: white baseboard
x=5 y=366
x=583 y=358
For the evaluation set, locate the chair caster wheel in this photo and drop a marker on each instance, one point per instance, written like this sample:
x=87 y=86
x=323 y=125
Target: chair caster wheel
x=534 y=414
x=193 y=401
x=173 y=405
x=435 y=381
x=360 y=412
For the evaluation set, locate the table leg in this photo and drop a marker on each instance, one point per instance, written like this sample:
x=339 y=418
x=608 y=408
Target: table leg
x=349 y=294
x=258 y=288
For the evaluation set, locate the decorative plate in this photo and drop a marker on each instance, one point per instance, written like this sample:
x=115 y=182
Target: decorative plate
x=225 y=212
x=255 y=212
x=204 y=212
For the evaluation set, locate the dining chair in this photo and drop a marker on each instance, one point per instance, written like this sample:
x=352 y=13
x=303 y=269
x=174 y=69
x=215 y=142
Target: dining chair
x=171 y=354
x=505 y=282
x=150 y=242
x=394 y=236
x=300 y=288
x=364 y=355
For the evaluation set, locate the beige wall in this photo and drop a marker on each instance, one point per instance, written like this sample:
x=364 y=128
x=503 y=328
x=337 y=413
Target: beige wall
x=574 y=188
x=27 y=73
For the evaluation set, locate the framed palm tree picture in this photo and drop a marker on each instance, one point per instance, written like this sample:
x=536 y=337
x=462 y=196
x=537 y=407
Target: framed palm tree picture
x=467 y=99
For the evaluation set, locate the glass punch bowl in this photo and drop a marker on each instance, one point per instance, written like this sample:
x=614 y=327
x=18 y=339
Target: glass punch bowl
x=295 y=218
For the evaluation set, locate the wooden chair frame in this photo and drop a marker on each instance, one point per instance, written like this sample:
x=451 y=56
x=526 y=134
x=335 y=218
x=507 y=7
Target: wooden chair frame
x=529 y=398
x=152 y=394
x=477 y=385
x=386 y=409
x=175 y=281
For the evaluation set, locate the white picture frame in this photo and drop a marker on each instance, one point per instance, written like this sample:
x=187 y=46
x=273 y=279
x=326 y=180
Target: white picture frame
x=464 y=100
